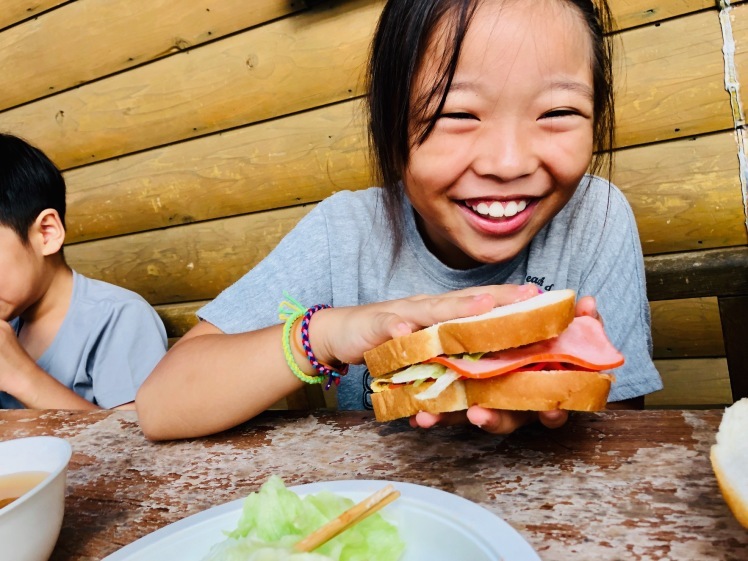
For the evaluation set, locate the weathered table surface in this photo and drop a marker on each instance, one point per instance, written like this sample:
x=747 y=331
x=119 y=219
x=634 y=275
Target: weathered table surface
x=614 y=485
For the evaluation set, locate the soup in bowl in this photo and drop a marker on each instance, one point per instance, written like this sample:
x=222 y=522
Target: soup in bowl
x=32 y=495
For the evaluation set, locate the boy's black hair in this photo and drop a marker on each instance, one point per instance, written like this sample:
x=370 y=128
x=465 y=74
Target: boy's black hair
x=29 y=184
x=401 y=39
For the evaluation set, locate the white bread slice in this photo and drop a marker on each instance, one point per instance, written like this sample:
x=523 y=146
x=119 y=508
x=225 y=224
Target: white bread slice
x=538 y=318
x=729 y=457
x=573 y=390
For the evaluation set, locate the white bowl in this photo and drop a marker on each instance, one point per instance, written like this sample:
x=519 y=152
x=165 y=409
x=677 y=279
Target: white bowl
x=30 y=525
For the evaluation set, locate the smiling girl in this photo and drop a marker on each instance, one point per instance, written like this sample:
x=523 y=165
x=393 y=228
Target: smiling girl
x=483 y=116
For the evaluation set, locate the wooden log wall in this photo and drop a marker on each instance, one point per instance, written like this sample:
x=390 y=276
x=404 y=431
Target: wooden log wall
x=194 y=134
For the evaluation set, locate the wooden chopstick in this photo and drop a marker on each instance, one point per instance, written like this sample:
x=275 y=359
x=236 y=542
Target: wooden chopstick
x=352 y=516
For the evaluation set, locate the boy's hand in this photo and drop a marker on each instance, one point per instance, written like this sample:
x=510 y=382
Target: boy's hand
x=13 y=358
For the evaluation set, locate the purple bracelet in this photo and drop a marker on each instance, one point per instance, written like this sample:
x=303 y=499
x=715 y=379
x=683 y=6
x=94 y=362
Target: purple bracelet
x=333 y=374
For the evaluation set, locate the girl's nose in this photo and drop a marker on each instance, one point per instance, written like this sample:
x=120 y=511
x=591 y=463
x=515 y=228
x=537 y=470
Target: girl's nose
x=504 y=153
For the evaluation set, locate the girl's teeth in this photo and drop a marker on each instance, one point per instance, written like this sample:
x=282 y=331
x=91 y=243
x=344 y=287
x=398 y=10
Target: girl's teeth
x=496 y=209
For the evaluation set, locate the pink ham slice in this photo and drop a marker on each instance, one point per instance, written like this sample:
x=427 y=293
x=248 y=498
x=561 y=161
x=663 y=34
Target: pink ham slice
x=583 y=344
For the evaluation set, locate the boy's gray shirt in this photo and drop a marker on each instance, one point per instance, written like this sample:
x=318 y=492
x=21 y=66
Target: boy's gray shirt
x=341 y=254
x=108 y=343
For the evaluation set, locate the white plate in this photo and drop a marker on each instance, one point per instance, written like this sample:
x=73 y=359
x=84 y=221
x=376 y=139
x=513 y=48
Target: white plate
x=435 y=525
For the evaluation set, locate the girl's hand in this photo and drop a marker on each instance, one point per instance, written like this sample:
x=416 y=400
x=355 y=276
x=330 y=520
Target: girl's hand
x=494 y=421
x=504 y=422
x=586 y=306
x=344 y=334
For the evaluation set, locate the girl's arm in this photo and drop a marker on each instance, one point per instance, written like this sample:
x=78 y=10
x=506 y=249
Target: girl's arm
x=210 y=381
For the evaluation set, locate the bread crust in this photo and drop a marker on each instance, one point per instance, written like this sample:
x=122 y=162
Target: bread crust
x=481 y=335
x=573 y=390
x=507 y=332
x=730 y=494
x=729 y=456
x=403 y=351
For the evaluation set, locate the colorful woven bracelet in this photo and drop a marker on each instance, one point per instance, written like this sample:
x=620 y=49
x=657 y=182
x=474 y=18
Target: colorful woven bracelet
x=332 y=374
x=288 y=353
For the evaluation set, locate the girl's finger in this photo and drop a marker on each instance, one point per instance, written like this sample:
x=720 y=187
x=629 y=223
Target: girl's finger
x=423 y=312
x=426 y=420
x=502 y=294
x=553 y=419
x=499 y=422
x=586 y=306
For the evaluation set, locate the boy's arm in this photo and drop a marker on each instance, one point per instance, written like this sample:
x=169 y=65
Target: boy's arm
x=22 y=378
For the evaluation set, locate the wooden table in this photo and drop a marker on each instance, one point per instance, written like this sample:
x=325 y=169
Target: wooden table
x=614 y=485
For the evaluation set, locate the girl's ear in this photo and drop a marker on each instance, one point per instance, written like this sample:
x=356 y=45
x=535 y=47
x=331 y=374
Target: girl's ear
x=51 y=231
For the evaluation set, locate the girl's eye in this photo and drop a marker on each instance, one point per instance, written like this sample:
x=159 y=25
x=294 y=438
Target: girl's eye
x=559 y=113
x=458 y=116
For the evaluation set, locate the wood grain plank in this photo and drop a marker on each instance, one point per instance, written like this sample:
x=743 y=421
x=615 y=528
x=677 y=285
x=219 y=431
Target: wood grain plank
x=18 y=10
x=299 y=159
x=696 y=274
x=692 y=382
x=685 y=194
x=144 y=30
x=670 y=81
x=95 y=38
x=186 y=263
x=633 y=13
x=286 y=66
x=199 y=260
x=179 y=318
x=687 y=328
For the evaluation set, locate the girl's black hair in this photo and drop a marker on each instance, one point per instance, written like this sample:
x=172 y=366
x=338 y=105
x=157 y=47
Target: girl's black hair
x=403 y=34
x=29 y=184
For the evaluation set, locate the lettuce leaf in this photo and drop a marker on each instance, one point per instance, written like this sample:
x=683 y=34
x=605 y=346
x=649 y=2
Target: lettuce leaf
x=275 y=518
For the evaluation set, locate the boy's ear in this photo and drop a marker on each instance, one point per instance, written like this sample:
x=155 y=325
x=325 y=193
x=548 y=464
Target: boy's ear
x=50 y=231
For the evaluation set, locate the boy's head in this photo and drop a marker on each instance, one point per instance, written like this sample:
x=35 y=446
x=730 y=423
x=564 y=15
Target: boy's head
x=32 y=231
x=29 y=184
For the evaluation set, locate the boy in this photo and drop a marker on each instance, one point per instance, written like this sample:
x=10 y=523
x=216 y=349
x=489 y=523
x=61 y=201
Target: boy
x=66 y=341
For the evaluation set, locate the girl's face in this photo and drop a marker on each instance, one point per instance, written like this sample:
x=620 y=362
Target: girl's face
x=515 y=135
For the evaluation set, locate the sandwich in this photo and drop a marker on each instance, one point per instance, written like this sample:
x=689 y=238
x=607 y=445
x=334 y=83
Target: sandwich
x=729 y=458
x=533 y=355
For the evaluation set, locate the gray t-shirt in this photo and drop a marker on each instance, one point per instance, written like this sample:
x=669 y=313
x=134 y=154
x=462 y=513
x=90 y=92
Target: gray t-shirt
x=340 y=254
x=108 y=343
